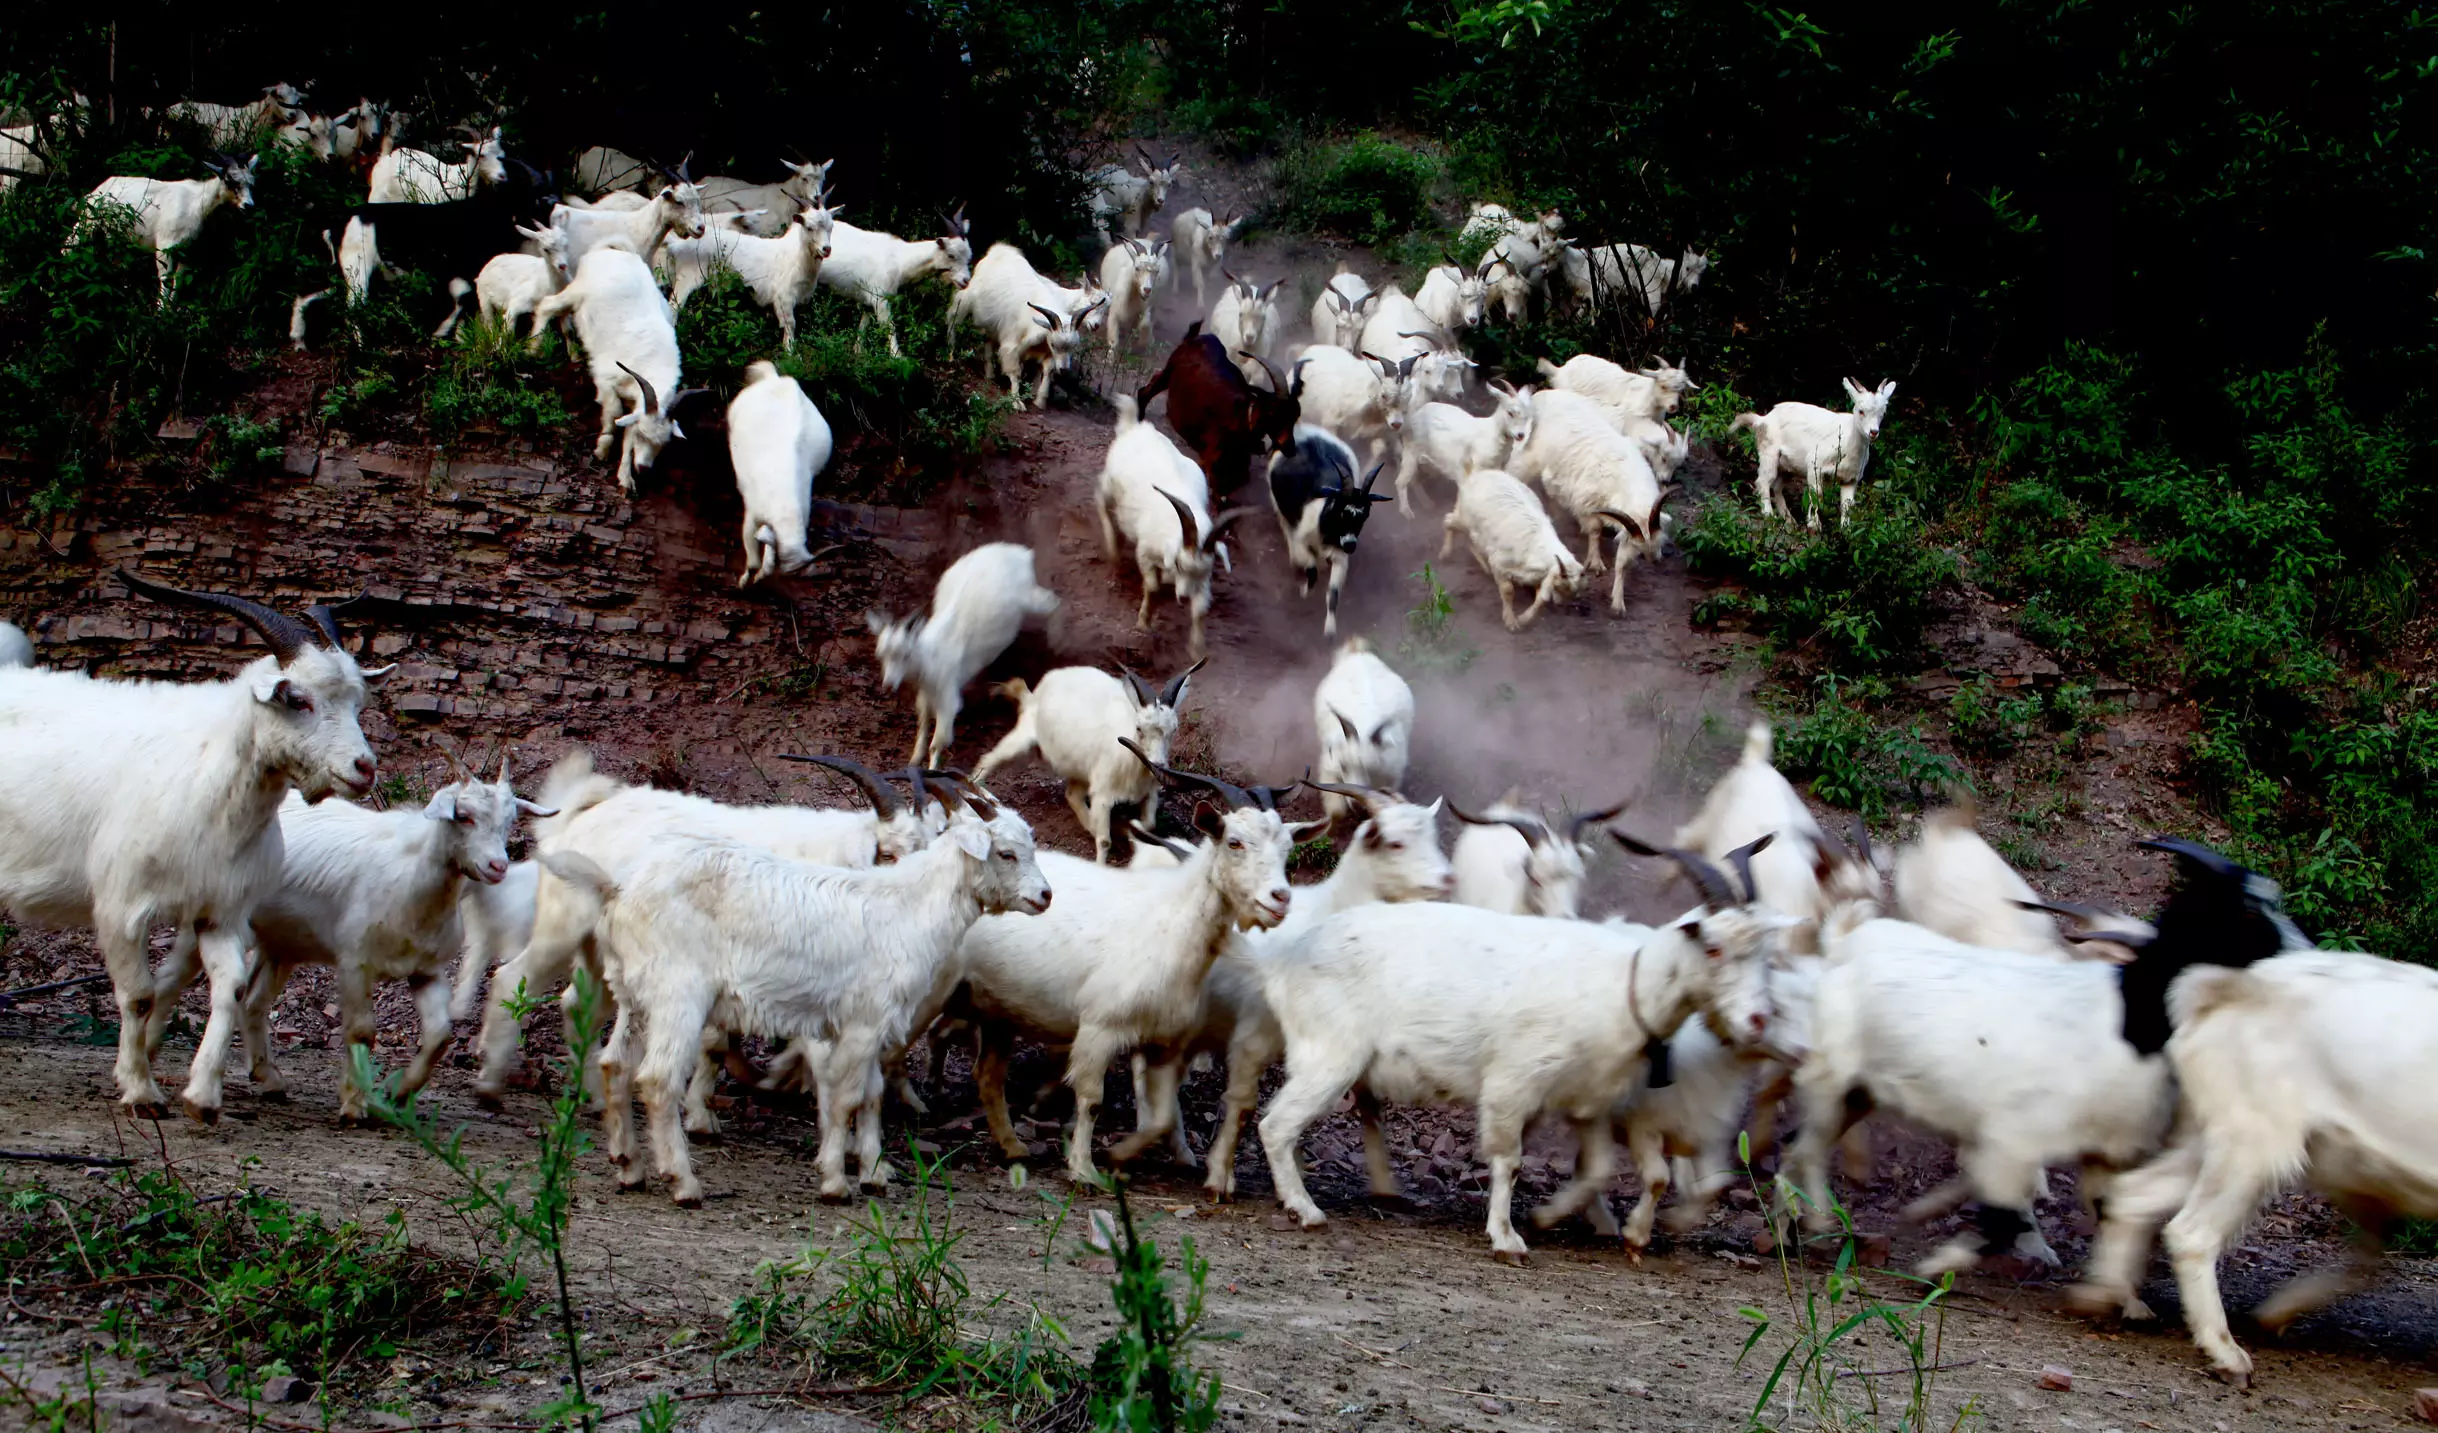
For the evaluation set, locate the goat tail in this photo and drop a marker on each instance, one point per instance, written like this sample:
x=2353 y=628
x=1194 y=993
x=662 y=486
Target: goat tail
x=1548 y=369
x=574 y=788
x=1759 y=741
x=1745 y=420
x=1015 y=690
x=590 y=885
x=1352 y=645
x=1129 y=413
x=760 y=370
x=1961 y=813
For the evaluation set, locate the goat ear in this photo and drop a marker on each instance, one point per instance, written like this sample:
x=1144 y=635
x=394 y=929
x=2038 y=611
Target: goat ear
x=1208 y=821
x=442 y=806
x=1888 y=389
x=1302 y=831
x=972 y=838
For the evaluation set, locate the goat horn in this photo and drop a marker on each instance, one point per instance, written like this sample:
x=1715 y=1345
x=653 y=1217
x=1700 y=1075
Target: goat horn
x=651 y=400
x=1716 y=890
x=1185 y=516
x=1221 y=523
x=325 y=617
x=1532 y=831
x=1741 y=860
x=1862 y=841
x=1175 y=690
x=1630 y=524
x=282 y=633
x=1236 y=796
x=884 y=801
x=1575 y=824
x=1144 y=694
x=1149 y=837
x=969 y=788
x=1278 y=380
x=1374 y=800
x=2202 y=856
x=1046 y=314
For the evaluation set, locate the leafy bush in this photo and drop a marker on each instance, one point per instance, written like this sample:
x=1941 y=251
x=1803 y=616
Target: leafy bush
x=1856 y=761
x=1855 y=599
x=490 y=381
x=1367 y=188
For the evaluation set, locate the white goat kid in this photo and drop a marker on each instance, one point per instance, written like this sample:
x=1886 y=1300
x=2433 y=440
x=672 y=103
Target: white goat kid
x=498 y=921
x=1364 y=713
x=1453 y=443
x=976 y=610
x=128 y=804
x=676 y=211
x=1515 y=1015
x=1626 y=395
x=870 y=267
x=1518 y=862
x=1398 y=330
x=1513 y=540
x=1158 y=498
x=410 y=176
x=375 y=894
x=167 y=214
x=714 y=933
x=510 y=286
x=778 y=443
x=1130 y=273
x=1076 y=719
x=1817 y=443
x=781 y=272
x=1599 y=476
x=1452 y=298
x=630 y=341
x=1203 y=241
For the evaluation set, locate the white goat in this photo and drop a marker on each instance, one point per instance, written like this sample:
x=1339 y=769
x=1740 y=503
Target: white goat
x=1393 y=855
x=1607 y=272
x=1118 y=963
x=616 y=826
x=1245 y=318
x=630 y=341
x=1357 y=399
x=257 y=121
x=167 y=214
x=20 y=159
x=1158 y=498
x=374 y=894
x=410 y=176
x=16 y=648
x=1075 y=719
x=767 y=209
x=1203 y=241
x=127 y=804
x=498 y=921
x=1950 y=881
x=1130 y=273
x=976 y=610
x=677 y=210
x=1625 y=395
x=1599 y=476
x=2311 y=1068
x=1364 y=713
x=1513 y=540
x=1452 y=442
x=511 y=285
x=1398 y=330
x=778 y=443
x=781 y=272
x=870 y=267
x=1803 y=872
x=1512 y=860
x=1129 y=199
x=1515 y=1015
x=1452 y=298
x=1343 y=307
x=1023 y=318
x=711 y=932
x=1817 y=443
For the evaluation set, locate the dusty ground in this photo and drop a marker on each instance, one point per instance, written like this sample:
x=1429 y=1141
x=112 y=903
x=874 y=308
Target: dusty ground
x=1385 y=1319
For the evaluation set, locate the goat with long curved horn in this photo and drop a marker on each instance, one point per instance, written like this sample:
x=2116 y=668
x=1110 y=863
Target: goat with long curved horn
x=1581 y=819
x=1717 y=891
x=1531 y=830
x=1739 y=860
x=875 y=790
x=285 y=635
x=1174 y=691
x=1235 y=796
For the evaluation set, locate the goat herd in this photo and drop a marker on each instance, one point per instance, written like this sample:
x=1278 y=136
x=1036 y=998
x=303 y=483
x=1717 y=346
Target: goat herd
x=2208 y=1059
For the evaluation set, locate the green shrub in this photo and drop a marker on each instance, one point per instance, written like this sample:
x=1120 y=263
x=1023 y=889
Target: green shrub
x=1367 y=188
x=490 y=382
x=1856 y=761
x=1856 y=598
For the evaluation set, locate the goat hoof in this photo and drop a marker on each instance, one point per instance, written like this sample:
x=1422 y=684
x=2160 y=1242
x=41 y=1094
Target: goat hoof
x=272 y=1094
x=833 y=1196
x=687 y=1201
x=874 y=1186
x=155 y=1110
x=201 y=1114
x=1513 y=1258
x=490 y=1100
x=2234 y=1377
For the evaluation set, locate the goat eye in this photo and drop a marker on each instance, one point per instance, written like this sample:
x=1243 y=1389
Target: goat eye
x=297 y=701
x=1234 y=845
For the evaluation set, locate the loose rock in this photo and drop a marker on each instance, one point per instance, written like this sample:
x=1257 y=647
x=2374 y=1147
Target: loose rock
x=2056 y=1379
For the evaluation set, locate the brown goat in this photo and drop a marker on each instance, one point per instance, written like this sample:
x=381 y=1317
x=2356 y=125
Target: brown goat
x=1223 y=419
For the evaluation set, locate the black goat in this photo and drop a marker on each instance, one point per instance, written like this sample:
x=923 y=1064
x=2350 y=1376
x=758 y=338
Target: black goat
x=1320 y=509
x=450 y=241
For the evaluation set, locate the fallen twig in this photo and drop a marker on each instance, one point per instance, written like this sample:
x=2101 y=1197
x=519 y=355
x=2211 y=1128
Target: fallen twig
x=1897 y=1372
x=11 y=997
x=95 y=1161
x=1370 y=1352
x=1486 y=1393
